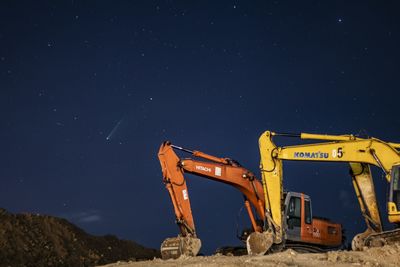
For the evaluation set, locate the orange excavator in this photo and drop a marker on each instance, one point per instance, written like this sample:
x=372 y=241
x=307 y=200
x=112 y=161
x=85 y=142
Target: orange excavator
x=302 y=231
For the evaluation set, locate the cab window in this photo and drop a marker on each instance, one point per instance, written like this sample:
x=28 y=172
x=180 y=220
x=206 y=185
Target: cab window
x=294 y=212
x=395 y=178
x=307 y=211
x=396 y=185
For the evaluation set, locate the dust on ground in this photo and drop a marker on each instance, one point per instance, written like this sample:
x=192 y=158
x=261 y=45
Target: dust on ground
x=381 y=256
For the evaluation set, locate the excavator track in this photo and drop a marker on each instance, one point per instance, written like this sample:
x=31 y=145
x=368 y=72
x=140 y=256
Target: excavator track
x=303 y=248
x=298 y=247
x=384 y=238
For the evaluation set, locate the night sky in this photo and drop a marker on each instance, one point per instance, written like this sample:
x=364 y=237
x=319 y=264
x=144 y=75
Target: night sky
x=90 y=89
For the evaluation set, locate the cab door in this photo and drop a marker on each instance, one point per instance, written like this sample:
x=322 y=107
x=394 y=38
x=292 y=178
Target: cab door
x=293 y=216
x=308 y=229
x=394 y=195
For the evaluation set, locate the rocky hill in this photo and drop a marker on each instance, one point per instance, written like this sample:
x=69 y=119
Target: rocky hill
x=38 y=240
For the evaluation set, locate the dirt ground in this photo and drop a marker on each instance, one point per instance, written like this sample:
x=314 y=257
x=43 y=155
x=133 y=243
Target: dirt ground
x=382 y=256
x=38 y=240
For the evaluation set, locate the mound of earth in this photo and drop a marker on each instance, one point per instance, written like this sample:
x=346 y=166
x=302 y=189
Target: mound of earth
x=380 y=256
x=38 y=240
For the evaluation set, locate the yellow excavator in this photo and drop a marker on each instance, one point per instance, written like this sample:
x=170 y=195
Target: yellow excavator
x=359 y=153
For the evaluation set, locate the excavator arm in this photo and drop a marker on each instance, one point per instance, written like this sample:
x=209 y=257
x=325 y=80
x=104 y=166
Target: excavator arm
x=217 y=169
x=358 y=152
x=175 y=183
x=236 y=176
x=342 y=149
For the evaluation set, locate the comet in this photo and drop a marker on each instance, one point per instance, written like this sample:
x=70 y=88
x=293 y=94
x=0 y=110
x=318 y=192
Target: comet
x=114 y=130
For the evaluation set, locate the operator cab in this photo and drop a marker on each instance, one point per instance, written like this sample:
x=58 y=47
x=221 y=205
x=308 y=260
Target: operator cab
x=394 y=195
x=293 y=213
x=302 y=227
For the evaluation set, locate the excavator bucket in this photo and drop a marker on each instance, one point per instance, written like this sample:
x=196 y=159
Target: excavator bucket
x=174 y=247
x=259 y=243
x=377 y=239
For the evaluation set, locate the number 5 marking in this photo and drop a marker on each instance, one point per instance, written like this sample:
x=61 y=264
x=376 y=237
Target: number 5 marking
x=337 y=153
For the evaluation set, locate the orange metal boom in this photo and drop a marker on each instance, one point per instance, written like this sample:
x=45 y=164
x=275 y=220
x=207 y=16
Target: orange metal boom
x=221 y=170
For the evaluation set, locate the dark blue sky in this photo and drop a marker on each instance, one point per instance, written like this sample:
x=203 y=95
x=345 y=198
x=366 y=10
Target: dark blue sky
x=207 y=75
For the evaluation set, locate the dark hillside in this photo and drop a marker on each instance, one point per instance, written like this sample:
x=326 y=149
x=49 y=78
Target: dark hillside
x=38 y=240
